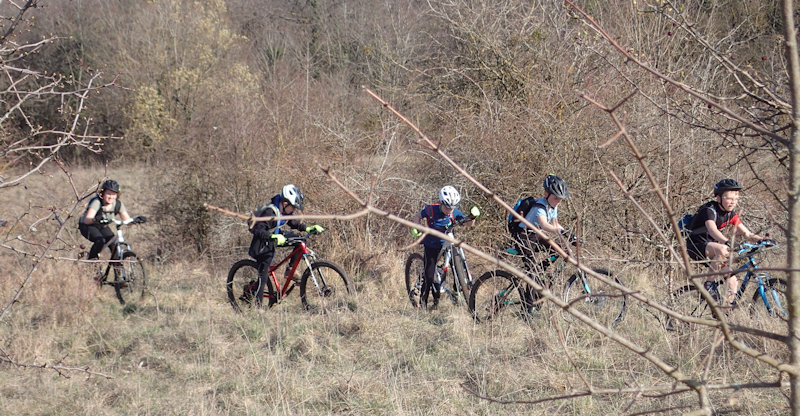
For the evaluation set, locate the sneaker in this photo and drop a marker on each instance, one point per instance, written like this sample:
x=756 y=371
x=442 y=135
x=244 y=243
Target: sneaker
x=713 y=289
x=99 y=275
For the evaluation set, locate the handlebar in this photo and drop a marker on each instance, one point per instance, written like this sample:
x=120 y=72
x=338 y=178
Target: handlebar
x=745 y=249
x=299 y=238
x=135 y=220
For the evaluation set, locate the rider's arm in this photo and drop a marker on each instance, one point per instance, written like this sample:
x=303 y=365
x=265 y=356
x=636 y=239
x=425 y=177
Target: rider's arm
x=461 y=217
x=748 y=235
x=262 y=229
x=89 y=220
x=715 y=233
x=418 y=219
x=123 y=213
x=91 y=211
x=547 y=227
x=297 y=225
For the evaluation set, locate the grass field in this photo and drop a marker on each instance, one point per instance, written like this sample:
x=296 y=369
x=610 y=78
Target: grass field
x=182 y=349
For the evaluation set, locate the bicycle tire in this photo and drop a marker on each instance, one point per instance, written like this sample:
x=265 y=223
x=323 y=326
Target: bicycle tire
x=687 y=300
x=494 y=295
x=605 y=304
x=330 y=288
x=133 y=279
x=775 y=290
x=414 y=274
x=460 y=273
x=242 y=275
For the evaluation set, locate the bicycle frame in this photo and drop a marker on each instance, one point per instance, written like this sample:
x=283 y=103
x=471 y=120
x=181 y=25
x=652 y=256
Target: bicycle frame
x=452 y=254
x=300 y=250
x=118 y=247
x=751 y=265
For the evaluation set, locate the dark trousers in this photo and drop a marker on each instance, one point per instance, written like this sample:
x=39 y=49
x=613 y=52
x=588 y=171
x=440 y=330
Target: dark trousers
x=263 y=261
x=528 y=244
x=98 y=235
x=431 y=255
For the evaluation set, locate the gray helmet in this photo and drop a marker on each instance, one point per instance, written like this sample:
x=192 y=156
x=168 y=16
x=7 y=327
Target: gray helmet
x=293 y=196
x=726 y=185
x=111 y=185
x=556 y=186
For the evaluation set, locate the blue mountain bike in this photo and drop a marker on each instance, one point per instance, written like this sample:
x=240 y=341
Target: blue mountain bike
x=769 y=297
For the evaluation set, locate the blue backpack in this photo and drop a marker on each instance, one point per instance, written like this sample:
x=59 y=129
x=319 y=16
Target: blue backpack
x=522 y=207
x=685 y=223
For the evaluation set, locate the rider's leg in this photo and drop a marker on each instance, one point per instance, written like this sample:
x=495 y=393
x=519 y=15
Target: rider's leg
x=718 y=254
x=98 y=235
x=430 y=257
x=262 y=263
x=733 y=286
x=531 y=249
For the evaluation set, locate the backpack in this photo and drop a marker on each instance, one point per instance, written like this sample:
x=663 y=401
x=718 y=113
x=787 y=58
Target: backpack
x=522 y=207
x=117 y=206
x=685 y=223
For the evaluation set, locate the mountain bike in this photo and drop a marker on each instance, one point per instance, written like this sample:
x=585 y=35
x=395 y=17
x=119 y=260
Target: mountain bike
x=129 y=278
x=769 y=296
x=323 y=284
x=498 y=293
x=451 y=261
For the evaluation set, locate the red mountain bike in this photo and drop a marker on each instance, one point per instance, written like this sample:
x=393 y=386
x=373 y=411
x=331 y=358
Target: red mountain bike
x=323 y=285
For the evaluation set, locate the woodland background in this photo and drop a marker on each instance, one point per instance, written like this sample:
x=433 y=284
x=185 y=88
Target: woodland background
x=223 y=102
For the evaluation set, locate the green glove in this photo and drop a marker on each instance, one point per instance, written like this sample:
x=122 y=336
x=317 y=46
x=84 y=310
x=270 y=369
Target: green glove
x=314 y=228
x=415 y=233
x=280 y=239
x=475 y=211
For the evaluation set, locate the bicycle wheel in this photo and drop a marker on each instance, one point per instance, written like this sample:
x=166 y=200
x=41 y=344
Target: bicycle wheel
x=596 y=299
x=129 y=278
x=776 y=303
x=494 y=295
x=687 y=301
x=415 y=274
x=324 y=287
x=460 y=274
x=240 y=286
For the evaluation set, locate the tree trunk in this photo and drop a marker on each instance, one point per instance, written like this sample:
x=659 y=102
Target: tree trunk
x=793 y=253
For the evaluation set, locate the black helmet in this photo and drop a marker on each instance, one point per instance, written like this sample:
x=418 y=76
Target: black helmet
x=293 y=196
x=726 y=185
x=556 y=186
x=111 y=185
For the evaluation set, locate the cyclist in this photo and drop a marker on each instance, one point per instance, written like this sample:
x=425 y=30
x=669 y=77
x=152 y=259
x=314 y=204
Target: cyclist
x=711 y=230
x=101 y=209
x=544 y=216
x=439 y=217
x=269 y=234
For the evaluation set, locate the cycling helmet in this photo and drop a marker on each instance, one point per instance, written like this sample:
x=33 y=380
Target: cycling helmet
x=726 y=184
x=556 y=186
x=293 y=196
x=111 y=185
x=449 y=197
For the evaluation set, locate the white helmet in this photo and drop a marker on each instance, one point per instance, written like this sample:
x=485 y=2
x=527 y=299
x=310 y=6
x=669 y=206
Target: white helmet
x=449 y=197
x=293 y=196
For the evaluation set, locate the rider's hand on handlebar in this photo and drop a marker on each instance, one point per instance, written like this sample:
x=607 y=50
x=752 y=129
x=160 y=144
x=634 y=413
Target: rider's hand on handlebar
x=415 y=233
x=314 y=229
x=768 y=242
x=569 y=236
x=280 y=239
x=141 y=219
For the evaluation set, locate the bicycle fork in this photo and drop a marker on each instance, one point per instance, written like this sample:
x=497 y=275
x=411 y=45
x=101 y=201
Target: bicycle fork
x=316 y=277
x=773 y=306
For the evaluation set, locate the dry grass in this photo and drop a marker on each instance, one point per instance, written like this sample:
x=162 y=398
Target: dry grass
x=182 y=350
